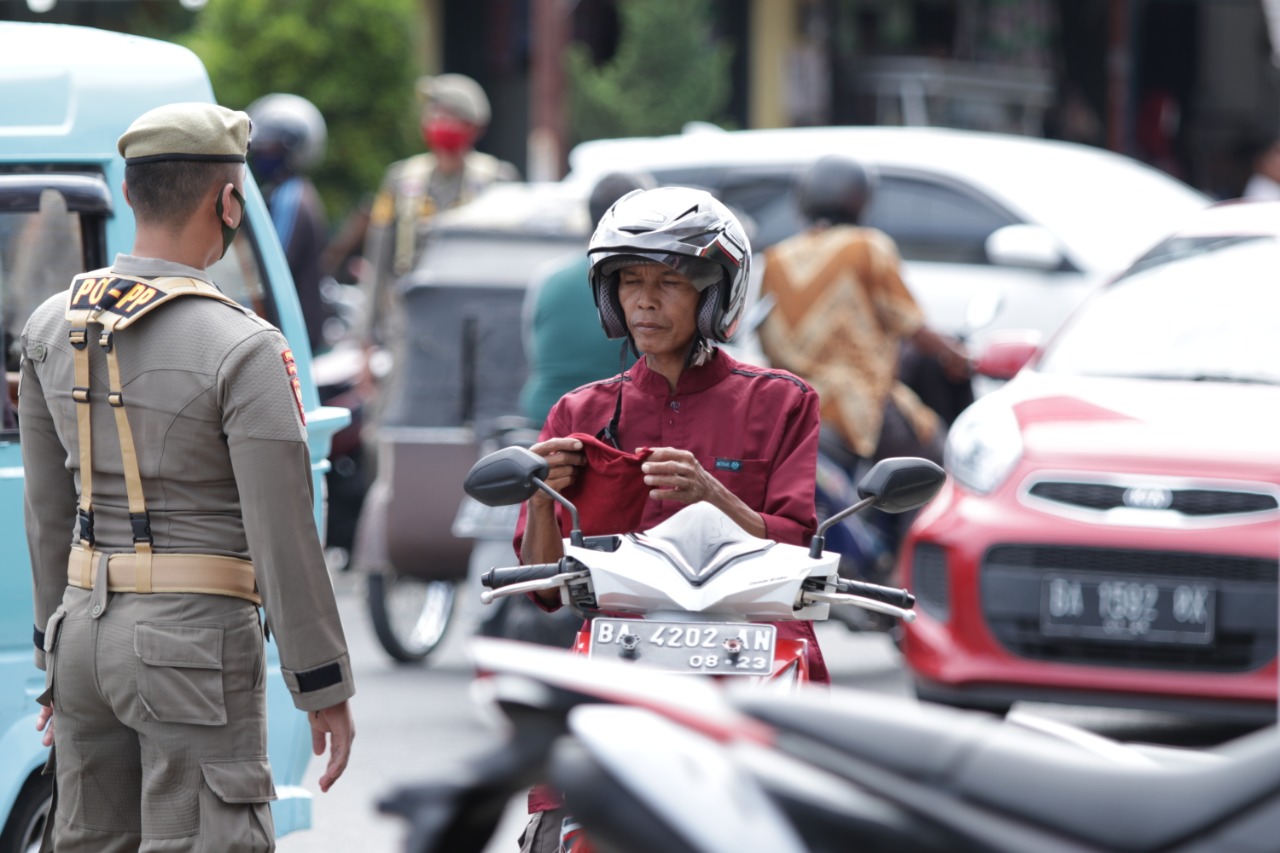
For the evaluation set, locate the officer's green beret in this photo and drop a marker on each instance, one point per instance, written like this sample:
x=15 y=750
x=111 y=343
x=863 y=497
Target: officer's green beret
x=187 y=132
x=457 y=94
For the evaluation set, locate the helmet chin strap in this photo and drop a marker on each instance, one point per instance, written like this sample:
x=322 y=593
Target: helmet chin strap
x=609 y=435
x=699 y=351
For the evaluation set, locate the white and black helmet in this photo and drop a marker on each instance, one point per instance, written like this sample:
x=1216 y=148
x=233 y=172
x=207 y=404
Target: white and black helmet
x=686 y=229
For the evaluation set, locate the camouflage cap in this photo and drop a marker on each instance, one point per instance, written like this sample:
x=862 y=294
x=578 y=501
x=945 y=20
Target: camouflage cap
x=193 y=131
x=457 y=94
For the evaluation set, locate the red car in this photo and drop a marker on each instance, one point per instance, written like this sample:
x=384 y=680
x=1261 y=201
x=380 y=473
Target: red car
x=1110 y=529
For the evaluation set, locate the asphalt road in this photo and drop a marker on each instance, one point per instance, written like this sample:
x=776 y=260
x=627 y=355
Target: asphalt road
x=412 y=721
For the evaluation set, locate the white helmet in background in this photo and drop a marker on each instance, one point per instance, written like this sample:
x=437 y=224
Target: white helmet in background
x=290 y=129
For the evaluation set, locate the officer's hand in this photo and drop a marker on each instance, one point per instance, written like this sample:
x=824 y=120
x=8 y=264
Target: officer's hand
x=335 y=721
x=44 y=723
x=676 y=475
x=565 y=457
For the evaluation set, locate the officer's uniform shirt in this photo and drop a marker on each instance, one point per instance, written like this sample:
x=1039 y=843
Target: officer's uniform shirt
x=223 y=456
x=412 y=192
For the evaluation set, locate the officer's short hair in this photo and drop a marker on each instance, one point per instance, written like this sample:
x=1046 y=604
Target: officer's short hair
x=170 y=191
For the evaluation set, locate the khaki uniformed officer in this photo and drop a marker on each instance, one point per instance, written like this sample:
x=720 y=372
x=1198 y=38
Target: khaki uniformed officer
x=168 y=495
x=454 y=113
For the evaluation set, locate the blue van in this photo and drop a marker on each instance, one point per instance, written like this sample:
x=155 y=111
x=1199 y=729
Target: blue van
x=66 y=95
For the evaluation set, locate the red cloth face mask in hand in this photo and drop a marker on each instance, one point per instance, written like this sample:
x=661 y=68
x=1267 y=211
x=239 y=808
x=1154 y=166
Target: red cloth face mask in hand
x=445 y=135
x=609 y=490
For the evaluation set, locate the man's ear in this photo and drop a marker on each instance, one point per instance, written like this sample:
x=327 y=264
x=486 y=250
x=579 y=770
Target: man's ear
x=124 y=187
x=228 y=204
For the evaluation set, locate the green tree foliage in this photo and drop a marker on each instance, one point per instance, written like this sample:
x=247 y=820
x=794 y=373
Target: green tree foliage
x=667 y=70
x=353 y=59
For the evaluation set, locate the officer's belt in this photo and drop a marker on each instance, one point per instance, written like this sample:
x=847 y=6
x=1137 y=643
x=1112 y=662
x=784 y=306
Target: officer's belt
x=210 y=574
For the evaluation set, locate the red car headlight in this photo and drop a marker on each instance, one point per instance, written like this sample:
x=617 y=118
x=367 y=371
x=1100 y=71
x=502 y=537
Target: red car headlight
x=984 y=446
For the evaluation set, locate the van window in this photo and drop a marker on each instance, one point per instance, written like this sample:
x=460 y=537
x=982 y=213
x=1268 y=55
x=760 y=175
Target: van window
x=933 y=222
x=40 y=252
x=52 y=228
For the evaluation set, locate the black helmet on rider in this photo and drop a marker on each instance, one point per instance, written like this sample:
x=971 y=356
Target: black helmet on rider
x=612 y=187
x=289 y=136
x=689 y=231
x=835 y=190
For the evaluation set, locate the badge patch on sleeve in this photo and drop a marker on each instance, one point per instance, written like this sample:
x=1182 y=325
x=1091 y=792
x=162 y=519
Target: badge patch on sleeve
x=291 y=368
x=384 y=210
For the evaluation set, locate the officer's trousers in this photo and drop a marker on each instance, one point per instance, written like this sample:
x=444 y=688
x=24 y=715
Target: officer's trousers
x=160 y=736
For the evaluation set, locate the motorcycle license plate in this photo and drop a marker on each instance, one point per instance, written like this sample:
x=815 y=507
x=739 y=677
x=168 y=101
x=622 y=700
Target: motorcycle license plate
x=1128 y=609
x=710 y=648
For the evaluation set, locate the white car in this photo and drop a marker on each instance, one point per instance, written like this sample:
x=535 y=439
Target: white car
x=996 y=231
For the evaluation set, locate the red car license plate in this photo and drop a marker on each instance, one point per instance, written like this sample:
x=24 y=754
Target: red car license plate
x=711 y=648
x=1130 y=609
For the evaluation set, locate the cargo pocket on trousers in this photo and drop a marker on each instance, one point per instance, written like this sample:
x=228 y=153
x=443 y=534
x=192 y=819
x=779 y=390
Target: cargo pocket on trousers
x=51 y=631
x=180 y=673
x=235 y=811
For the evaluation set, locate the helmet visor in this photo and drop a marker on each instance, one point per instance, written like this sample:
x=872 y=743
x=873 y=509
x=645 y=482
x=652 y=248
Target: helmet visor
x=702 y=273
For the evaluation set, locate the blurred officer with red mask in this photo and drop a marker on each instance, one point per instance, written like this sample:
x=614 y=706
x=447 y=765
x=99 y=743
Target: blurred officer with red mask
x=455 y=112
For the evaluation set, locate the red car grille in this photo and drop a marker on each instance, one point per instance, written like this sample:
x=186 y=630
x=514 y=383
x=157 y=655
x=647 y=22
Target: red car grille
x=1192 y=502
x=1245 y=613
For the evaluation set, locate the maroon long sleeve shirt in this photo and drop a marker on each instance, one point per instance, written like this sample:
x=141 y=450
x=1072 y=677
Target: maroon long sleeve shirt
x=755 y=429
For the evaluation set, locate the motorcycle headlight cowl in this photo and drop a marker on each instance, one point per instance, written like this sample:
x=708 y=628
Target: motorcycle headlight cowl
x=983 y=446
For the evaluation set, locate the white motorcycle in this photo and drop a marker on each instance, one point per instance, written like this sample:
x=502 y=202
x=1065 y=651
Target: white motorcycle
x=697 y=594
x=688 y=596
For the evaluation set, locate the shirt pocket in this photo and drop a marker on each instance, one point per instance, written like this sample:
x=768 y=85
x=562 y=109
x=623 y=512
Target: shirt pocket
x=748 y=479
x=180 y=673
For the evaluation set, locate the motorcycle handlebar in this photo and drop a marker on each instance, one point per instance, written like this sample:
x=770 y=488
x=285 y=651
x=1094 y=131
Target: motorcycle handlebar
x=497 y=578
x=896 y=597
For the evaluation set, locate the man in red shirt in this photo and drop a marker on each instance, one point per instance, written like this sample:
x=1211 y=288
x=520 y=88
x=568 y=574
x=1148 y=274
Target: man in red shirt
x=669 y=270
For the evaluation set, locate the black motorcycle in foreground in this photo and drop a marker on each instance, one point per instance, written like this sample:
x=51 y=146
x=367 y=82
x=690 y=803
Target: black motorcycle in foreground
x=652 y=762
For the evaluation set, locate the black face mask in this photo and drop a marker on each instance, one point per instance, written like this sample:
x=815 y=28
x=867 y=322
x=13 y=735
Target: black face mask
x=229 y=233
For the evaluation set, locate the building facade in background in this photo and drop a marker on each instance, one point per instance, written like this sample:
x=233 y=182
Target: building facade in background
x=1188 y=85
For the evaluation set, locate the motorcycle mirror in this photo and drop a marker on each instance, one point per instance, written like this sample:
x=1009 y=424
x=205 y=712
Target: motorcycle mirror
x=892 y=485
x=901 y=483
x=511 y=476
x=505 y=477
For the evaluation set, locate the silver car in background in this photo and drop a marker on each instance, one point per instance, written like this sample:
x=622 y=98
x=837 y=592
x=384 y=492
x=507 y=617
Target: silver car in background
x=996 y=231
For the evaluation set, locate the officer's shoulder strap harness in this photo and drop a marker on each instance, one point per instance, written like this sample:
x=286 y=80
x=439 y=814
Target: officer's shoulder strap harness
x=112 y=301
